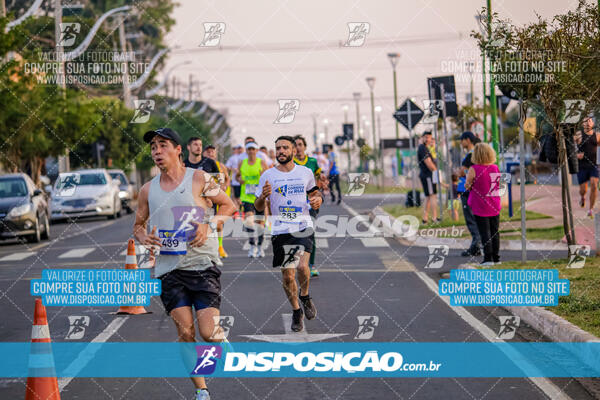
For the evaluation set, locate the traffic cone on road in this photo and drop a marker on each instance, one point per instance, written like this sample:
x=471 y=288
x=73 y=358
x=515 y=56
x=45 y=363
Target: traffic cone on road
x=43 y=385
x=131 y=263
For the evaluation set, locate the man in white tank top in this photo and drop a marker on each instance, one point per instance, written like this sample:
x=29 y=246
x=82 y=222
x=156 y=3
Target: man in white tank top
x=175 y=200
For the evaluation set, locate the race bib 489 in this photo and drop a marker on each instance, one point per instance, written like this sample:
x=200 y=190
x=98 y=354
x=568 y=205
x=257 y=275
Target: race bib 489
x=172 y=242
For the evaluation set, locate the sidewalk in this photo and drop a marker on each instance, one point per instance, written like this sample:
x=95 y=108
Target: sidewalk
x=546 y=199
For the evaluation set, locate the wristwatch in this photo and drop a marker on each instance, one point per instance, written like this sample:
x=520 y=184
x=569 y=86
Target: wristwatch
x=212 y=226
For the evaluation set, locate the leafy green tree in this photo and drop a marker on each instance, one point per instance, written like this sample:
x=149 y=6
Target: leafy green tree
x=566 y=52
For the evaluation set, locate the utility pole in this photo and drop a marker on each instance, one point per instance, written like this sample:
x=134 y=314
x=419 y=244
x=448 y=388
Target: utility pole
x=190 y=86
x=126 y=90
x=314 y=118
x=447 y=145
x=356 y=96
x=371 y=83
x=494 y=115
x=437 y=158
x=394 y=60
x=63 y=161
x=3 y=9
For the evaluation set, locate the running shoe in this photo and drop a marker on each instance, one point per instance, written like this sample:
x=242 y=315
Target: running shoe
x=487 y=264
x=339 y=200
x=222 y=252
x=252 y=251
x=297 y=320
x=309 y=308
x=590 y=214
x=261 y=251
x=202 y=394
x=582 y=201
x=314 y=271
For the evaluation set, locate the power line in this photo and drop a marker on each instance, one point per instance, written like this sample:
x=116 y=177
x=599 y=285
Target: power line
x=329 y=45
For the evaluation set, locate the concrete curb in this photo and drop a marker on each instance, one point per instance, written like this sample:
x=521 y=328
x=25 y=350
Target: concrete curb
x=459 y=243
x=546 y=322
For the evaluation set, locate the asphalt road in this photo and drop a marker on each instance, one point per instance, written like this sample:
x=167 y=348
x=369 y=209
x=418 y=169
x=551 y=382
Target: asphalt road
x=359 y=277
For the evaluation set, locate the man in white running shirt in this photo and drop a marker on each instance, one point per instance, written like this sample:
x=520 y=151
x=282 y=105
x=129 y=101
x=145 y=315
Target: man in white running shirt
x=291 y=191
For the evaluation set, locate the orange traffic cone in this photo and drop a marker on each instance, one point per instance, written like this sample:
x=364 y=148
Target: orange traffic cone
x=41 y=361
x=131 y=263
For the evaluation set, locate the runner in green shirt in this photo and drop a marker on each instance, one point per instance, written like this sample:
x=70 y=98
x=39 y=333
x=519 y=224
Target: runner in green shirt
x=301 y=158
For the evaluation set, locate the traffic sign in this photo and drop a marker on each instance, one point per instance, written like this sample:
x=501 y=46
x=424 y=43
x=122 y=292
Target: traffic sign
x=402 y=143
x=360 y=142
x=348 y=130
x=409 y=114
x=435 y=93
x=339 y=140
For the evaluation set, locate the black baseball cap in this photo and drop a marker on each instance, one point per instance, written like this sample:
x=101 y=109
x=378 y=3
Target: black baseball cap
x=209 y=146
x=468 y=135
x=166 y=133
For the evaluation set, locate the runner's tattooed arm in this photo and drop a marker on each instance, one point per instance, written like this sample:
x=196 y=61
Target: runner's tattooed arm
x=140 y=231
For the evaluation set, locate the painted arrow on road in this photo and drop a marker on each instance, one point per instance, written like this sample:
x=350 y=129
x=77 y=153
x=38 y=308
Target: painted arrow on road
x=291 y=336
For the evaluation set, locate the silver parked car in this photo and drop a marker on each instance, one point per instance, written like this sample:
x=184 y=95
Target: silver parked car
x=125 y=188
x=85 y=193
x=23 y=209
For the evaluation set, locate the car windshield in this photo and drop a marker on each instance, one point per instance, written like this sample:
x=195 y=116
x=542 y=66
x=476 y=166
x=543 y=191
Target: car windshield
x=72 y=180
x=12 y=187
x=119 y=176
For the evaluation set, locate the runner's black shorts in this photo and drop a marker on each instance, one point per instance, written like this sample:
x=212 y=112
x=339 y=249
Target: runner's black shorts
x=249 y=207
x=237 y=191
x=200 y=289
x=429 y=187
x=585 y=173
x=291 y=242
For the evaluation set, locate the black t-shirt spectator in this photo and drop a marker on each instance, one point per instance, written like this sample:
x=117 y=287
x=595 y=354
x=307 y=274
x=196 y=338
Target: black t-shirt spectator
x=206 y=164
x=422 y=154
x=588 y=147
x=467 y=163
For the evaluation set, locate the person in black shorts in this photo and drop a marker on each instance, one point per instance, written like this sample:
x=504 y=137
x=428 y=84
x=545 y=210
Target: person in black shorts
x=587 y=145
x=291 y=191
x=175 y=203
x=426 y=170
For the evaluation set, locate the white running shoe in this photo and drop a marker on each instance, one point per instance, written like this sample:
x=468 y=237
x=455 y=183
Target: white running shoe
x=252 y=252
x=202 y=394
x=261 y=251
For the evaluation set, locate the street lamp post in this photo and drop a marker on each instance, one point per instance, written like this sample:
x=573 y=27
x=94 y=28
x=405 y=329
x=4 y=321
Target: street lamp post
x=371 y=82
x=325 y=123
x=378 y=110
x=393 y=57
x=356 y=96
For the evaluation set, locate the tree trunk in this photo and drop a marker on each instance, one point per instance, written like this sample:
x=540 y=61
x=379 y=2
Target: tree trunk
x=568 y=227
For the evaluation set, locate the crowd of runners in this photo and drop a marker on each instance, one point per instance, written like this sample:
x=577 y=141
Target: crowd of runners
x=182 y=210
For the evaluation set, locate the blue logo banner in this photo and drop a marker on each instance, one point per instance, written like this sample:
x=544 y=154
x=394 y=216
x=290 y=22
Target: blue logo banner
x=323 y=359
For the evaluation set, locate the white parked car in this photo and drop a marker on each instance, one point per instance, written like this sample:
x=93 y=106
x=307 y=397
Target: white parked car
x=85 y=193
x=125 y=188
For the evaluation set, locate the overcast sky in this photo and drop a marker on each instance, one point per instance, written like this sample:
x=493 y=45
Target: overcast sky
x=247 y=77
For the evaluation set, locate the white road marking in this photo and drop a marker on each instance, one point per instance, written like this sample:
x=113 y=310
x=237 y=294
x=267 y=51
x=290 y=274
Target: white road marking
x=291 y=336
x=17 y=256
x=374 y=242
x=78 y=364
x=77 y=253
x=322 y=243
